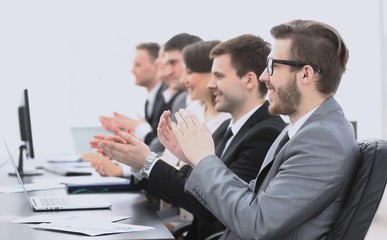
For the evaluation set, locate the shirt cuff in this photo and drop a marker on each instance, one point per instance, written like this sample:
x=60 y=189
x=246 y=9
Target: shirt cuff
x=126 y=170
x=138 y=176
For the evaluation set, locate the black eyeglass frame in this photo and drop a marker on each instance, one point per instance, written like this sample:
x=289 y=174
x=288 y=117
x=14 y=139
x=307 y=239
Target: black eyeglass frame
x=270 y=62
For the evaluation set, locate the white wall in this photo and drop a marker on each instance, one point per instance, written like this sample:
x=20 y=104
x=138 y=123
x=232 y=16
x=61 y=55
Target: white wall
x=383 y=19
x=75 y=56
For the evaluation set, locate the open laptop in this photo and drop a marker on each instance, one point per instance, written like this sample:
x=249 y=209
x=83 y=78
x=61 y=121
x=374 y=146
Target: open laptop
x=54 y=203
x=74 y=166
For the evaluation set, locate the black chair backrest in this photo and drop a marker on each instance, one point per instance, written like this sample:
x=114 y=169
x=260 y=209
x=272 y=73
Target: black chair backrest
x=367 y=191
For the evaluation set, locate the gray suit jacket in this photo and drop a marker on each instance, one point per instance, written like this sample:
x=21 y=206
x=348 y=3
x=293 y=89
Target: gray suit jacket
x=299 y=194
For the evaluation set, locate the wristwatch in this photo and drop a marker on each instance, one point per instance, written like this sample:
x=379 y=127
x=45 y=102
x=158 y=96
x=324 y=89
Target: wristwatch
x=145 y=170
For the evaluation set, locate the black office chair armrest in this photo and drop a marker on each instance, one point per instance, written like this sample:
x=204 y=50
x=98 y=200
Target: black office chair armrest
x=181 y=229
x=214 y=236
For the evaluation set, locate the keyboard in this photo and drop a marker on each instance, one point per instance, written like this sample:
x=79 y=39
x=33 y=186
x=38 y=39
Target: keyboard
x=48 y=202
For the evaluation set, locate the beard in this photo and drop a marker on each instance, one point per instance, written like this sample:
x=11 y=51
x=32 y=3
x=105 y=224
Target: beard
x=288 y=99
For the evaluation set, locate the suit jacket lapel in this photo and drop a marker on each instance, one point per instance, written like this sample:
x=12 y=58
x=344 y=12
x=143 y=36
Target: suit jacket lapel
x=219 y=133
x=328 y=106
x=257 y=116
x=270 y=154
x=157 y=106
x=269 y=159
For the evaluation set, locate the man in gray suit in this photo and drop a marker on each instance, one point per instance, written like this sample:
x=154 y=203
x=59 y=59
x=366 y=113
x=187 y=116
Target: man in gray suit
x=301 y=186
x=242 y=143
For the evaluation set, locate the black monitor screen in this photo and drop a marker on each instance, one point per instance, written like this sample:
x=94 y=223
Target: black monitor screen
x=25 y=124
x=26 y=137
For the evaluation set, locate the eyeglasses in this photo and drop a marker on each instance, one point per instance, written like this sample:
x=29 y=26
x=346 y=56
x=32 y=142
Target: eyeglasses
x=270 y=62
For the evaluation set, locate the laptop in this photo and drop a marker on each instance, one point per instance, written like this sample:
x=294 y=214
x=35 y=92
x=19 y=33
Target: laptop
x=81 y=138
x=55 y=203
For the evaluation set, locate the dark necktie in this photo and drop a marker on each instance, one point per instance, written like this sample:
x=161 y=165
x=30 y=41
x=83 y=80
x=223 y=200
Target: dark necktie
x=266 y=169
x=226 y=137
x=283 y=141
x=147 y=117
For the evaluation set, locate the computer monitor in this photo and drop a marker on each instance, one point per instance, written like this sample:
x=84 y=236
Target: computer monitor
x=25 y=136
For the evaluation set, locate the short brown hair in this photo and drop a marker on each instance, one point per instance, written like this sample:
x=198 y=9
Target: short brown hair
x=151 y=47
x=317 y=44
x=248 y=53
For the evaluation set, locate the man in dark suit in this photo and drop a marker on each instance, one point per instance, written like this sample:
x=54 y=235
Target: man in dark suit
x=171 y=97
x=147 y=69
x=238 y=91
x=308 y=172
x=174 y=69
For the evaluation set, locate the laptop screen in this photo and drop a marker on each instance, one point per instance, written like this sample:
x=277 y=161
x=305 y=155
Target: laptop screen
x=83 y=135
x=69 y=202
x=17 y=172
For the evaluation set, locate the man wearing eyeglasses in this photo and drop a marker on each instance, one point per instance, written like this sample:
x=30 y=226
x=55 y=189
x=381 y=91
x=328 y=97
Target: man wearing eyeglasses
x=307 y=173
x=242 y=142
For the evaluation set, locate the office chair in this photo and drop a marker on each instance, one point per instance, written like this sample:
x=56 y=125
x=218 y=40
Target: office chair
x=214 y=236
x=182 y=229
x=367 y=191
x=365 y=196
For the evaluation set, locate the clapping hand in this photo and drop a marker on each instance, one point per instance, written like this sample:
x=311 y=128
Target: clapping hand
x=167 y=136
x=193 y=137
x=125 y=148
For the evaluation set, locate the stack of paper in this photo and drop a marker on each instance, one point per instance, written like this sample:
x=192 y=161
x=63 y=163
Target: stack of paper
x=89 y=225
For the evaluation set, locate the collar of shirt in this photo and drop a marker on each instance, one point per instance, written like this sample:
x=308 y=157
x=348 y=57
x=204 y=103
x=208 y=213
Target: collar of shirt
x=235 y=127
x=293 y=128
x=152 y=98
x=167 y=95
x=197 y=108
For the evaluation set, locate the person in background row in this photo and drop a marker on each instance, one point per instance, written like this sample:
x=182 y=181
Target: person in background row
x=146 y=69
x=167 y=66
x=175 y=98
x=196 y=77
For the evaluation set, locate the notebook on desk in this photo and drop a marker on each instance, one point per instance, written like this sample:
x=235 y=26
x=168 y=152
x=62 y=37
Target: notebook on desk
x=124 y=186
x=54 y=203
x=63 y=170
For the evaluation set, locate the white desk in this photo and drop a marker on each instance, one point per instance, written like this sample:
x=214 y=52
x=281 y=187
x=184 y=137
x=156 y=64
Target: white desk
x=134 y=204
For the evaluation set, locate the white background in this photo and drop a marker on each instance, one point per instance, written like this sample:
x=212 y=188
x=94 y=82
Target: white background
x=75 y=56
